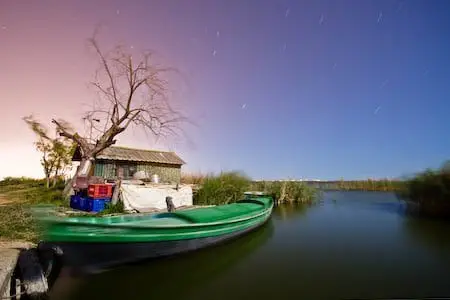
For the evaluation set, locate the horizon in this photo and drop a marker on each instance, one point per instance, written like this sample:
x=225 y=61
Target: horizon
x=288 y=89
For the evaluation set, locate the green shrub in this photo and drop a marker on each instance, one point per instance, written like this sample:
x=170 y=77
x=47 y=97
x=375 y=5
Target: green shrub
x=227 y=187
x=110 y=208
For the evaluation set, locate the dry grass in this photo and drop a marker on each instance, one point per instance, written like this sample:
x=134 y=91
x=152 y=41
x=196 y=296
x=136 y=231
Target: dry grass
x=16 y=196
x=16 y=223
x=192 y=178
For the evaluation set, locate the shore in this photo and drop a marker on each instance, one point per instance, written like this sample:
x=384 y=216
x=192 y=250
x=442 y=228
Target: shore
x=9 y=254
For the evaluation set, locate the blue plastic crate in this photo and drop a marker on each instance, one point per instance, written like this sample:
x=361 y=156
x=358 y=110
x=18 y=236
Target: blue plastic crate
x=96 y=205
x=77 y=202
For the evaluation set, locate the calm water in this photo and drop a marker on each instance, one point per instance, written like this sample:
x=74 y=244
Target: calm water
x=352 y=245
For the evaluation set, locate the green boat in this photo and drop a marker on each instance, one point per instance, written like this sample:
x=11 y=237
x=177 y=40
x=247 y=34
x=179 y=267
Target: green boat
x=92 y=244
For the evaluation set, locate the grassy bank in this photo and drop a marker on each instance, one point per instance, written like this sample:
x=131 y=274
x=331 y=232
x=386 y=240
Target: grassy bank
x=429 y=192
x=16 y=195
x=229 y=187
x=30 y=191
x=16 y=223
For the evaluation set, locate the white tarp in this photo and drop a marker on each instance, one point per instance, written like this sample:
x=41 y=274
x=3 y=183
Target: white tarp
x=143 y=198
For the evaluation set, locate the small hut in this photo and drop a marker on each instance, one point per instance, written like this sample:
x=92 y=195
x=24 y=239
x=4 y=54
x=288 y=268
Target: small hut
x=122 y=162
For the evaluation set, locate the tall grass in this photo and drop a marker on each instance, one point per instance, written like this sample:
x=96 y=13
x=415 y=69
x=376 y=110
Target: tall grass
x=370 y=185
x=192 y=178
x=287 y=191
x=230 y=186
x=224 y=188
x=429 y=191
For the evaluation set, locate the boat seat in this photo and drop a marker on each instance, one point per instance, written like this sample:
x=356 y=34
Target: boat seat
x=216 y=213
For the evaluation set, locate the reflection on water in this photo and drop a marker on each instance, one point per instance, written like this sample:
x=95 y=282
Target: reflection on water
x=350 y=245
x=429 y=233
x=290 y=210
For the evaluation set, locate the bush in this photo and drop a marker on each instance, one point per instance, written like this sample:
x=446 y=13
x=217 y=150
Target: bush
x=225 y=188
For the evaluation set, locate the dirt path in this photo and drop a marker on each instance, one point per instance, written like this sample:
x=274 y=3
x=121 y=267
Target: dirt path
x=4 y=201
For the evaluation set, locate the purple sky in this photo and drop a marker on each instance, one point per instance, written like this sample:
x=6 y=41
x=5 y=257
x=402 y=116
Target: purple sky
x=279 y=89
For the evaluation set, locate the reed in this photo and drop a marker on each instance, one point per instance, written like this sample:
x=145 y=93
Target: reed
x=429 y=192
x=227 y=187
x=288 y=191
x=192 y=178
x=382 y=185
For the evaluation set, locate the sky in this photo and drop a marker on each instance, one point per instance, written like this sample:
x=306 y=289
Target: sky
x=276 y=89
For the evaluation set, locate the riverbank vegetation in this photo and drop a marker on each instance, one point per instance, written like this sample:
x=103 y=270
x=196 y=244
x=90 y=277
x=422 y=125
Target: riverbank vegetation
x=224 y=188
x=382 y=185
x=428 y=193
x=287 y=191
x=228 y=187
x=30 y=191
x=16 y=196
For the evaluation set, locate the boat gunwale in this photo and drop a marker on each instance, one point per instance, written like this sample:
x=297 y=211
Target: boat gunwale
x=168 y=226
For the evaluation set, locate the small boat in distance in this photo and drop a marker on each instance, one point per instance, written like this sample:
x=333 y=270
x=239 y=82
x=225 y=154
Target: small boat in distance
x=92 y=244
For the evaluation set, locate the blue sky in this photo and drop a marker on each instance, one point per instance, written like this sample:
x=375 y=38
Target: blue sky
x=279 y=89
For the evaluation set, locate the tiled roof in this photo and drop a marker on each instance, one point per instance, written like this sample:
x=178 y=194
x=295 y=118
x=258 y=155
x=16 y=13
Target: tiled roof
x=130 y=154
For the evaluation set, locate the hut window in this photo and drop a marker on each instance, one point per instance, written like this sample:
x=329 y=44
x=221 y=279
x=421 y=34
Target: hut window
x=126 y=170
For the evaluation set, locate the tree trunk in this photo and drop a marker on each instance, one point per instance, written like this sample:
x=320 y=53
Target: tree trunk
x=83 y=170
x=47 y=181
x=55 y=178
x=68 y=189
x=85 y=166
x=115 y=196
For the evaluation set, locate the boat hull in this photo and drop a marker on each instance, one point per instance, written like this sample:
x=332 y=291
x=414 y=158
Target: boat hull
x=93 y=257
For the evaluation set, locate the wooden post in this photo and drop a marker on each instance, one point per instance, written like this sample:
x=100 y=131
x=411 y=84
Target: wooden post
x=115 y=196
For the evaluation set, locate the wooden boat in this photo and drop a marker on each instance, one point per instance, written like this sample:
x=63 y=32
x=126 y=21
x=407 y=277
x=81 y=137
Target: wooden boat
x=96 y=243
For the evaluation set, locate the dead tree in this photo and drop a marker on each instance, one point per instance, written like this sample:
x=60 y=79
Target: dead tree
x=132 y=91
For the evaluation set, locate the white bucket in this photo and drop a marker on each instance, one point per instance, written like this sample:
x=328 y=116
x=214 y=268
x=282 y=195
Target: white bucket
x=155 y=178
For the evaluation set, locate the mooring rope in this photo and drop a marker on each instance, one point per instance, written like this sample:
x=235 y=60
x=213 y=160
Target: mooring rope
x=13 y=296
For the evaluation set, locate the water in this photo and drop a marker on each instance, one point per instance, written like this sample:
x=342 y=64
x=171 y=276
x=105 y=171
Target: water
x=351 y=245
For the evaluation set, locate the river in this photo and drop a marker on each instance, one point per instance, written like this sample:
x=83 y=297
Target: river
x=350 y=245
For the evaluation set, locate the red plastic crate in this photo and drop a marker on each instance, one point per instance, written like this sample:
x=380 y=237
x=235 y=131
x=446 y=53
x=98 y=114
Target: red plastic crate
x=100 y=190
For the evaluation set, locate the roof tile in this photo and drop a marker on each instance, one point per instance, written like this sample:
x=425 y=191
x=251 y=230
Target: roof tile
x=130 y=154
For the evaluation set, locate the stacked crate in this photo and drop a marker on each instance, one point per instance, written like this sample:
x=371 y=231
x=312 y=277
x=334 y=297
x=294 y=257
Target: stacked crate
x=94 y=198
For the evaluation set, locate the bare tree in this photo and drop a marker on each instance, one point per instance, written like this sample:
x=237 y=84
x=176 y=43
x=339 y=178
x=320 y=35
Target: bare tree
x=132 y=91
